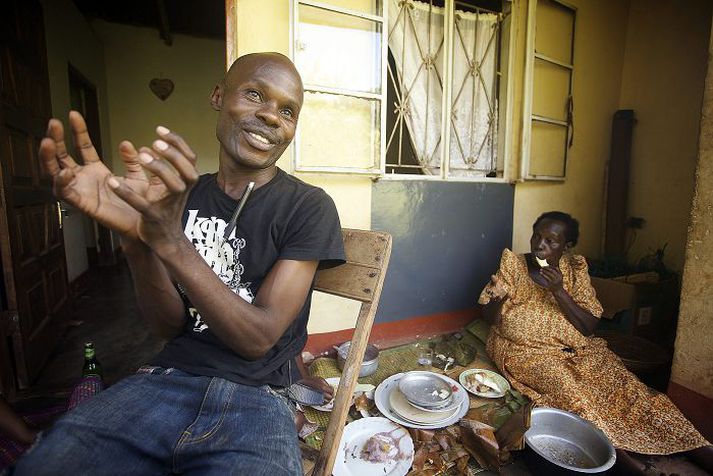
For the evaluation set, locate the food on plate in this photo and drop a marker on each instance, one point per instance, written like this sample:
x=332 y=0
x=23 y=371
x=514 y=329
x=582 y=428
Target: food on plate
x=441 y=393
x=542 y=262
x=481 y=382
x=380 y=448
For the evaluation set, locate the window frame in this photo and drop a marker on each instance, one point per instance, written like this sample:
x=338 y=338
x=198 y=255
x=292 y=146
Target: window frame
x=380 y=167
x=379 y=171
x=528 y=93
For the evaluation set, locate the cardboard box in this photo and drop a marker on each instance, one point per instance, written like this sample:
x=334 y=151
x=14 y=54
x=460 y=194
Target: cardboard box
x=635 y=306
x=615 y=296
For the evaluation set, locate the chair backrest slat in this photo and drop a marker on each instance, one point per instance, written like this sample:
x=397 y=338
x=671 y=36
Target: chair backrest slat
x=362 y=279
x=350 y=280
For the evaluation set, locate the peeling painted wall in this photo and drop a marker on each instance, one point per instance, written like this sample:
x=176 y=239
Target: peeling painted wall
x=693 y=358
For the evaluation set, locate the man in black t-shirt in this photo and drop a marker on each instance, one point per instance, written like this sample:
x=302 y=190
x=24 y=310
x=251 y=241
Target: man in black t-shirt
x=232 y=295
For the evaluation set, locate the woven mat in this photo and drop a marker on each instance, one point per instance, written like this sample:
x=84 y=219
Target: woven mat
x=393 y=361
x=11 y=450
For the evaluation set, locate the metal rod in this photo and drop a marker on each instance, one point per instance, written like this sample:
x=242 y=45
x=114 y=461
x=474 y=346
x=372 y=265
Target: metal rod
x=234 y=219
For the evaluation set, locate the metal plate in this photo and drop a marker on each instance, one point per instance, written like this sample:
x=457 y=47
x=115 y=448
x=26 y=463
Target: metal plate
x=391 y=384
x=426 y=389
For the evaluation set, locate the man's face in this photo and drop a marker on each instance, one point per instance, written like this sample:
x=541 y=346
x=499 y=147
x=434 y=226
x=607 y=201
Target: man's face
x=259 y=105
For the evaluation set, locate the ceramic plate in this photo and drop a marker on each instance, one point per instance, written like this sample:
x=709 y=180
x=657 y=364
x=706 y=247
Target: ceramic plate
x=383 y=393
x=467 y=380
x=408 y=412
x=350 y=461
x=327 y=407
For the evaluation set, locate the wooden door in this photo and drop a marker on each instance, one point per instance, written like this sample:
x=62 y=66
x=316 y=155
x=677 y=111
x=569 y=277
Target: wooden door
x=31 y=241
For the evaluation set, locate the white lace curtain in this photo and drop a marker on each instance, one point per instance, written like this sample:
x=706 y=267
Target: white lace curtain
x=416 y=41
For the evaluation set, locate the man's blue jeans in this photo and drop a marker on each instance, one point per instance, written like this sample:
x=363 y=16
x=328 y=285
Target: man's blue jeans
x=168 y=422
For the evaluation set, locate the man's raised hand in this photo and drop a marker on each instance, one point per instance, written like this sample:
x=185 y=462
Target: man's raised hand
x=172 y=167
x=84 y=185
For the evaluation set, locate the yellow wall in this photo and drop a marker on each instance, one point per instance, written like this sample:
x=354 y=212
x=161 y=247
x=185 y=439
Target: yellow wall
x=600 y=32
x=692 y=363
x=264 y=25
x=70 y=40
x=664 y=71
x=134 y=56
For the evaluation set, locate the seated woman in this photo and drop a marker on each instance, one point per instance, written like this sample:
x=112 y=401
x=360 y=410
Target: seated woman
x=544 y=310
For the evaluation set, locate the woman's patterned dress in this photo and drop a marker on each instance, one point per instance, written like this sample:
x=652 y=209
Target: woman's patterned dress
x=546 y=358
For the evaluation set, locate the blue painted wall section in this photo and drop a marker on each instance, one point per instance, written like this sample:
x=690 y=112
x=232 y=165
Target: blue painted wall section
x=448 y=238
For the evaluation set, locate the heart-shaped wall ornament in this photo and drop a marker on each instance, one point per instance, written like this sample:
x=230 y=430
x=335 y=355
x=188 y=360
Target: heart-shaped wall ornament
x=162 y=88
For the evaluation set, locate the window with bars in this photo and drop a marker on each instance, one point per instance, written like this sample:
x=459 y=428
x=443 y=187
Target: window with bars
x=411 y=88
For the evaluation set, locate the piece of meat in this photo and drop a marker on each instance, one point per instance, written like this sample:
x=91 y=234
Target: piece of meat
x=380 y=448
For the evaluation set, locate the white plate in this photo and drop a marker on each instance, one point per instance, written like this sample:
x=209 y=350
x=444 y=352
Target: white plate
x=403 y=408
x=499 y=380
x=327 y=407
x=383 y=392
x=349 y=461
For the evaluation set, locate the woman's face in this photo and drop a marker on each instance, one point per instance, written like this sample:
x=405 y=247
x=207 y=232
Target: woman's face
x=548 y=240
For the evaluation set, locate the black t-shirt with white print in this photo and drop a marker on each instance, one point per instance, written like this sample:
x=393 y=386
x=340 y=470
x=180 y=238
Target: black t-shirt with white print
x=283 y=219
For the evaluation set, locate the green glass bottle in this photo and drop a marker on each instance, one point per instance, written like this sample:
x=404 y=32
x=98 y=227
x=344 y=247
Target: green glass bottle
x=92 y=367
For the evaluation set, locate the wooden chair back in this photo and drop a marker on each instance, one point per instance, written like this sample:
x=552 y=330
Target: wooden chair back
x=361 y=278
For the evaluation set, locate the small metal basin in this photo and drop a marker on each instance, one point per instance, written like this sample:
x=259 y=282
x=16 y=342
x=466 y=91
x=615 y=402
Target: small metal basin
x=426 y=389
x=569 y=442
x=368 y=365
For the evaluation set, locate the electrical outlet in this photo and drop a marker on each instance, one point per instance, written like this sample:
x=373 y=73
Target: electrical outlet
x=635 y=222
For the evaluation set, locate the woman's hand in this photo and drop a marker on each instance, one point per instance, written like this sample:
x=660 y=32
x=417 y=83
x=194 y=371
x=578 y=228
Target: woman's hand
x=496 y=291
x=552 y=278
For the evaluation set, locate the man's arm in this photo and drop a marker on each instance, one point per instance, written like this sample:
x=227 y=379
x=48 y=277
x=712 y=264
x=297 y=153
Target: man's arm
x=84 y=185
x=158 y=300
x=250 y=330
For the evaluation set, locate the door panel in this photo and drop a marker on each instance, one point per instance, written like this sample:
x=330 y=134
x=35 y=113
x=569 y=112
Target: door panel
x=31 y=241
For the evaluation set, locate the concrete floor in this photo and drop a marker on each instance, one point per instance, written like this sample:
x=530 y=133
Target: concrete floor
x=106 y=314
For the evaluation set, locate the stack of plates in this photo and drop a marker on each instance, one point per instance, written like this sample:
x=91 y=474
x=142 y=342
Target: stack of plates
x=426 y=390
x=395 y=398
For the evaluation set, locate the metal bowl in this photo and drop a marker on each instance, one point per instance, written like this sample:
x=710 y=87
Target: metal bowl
x=368 y=365
x=426 y=389
x=569 y=442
